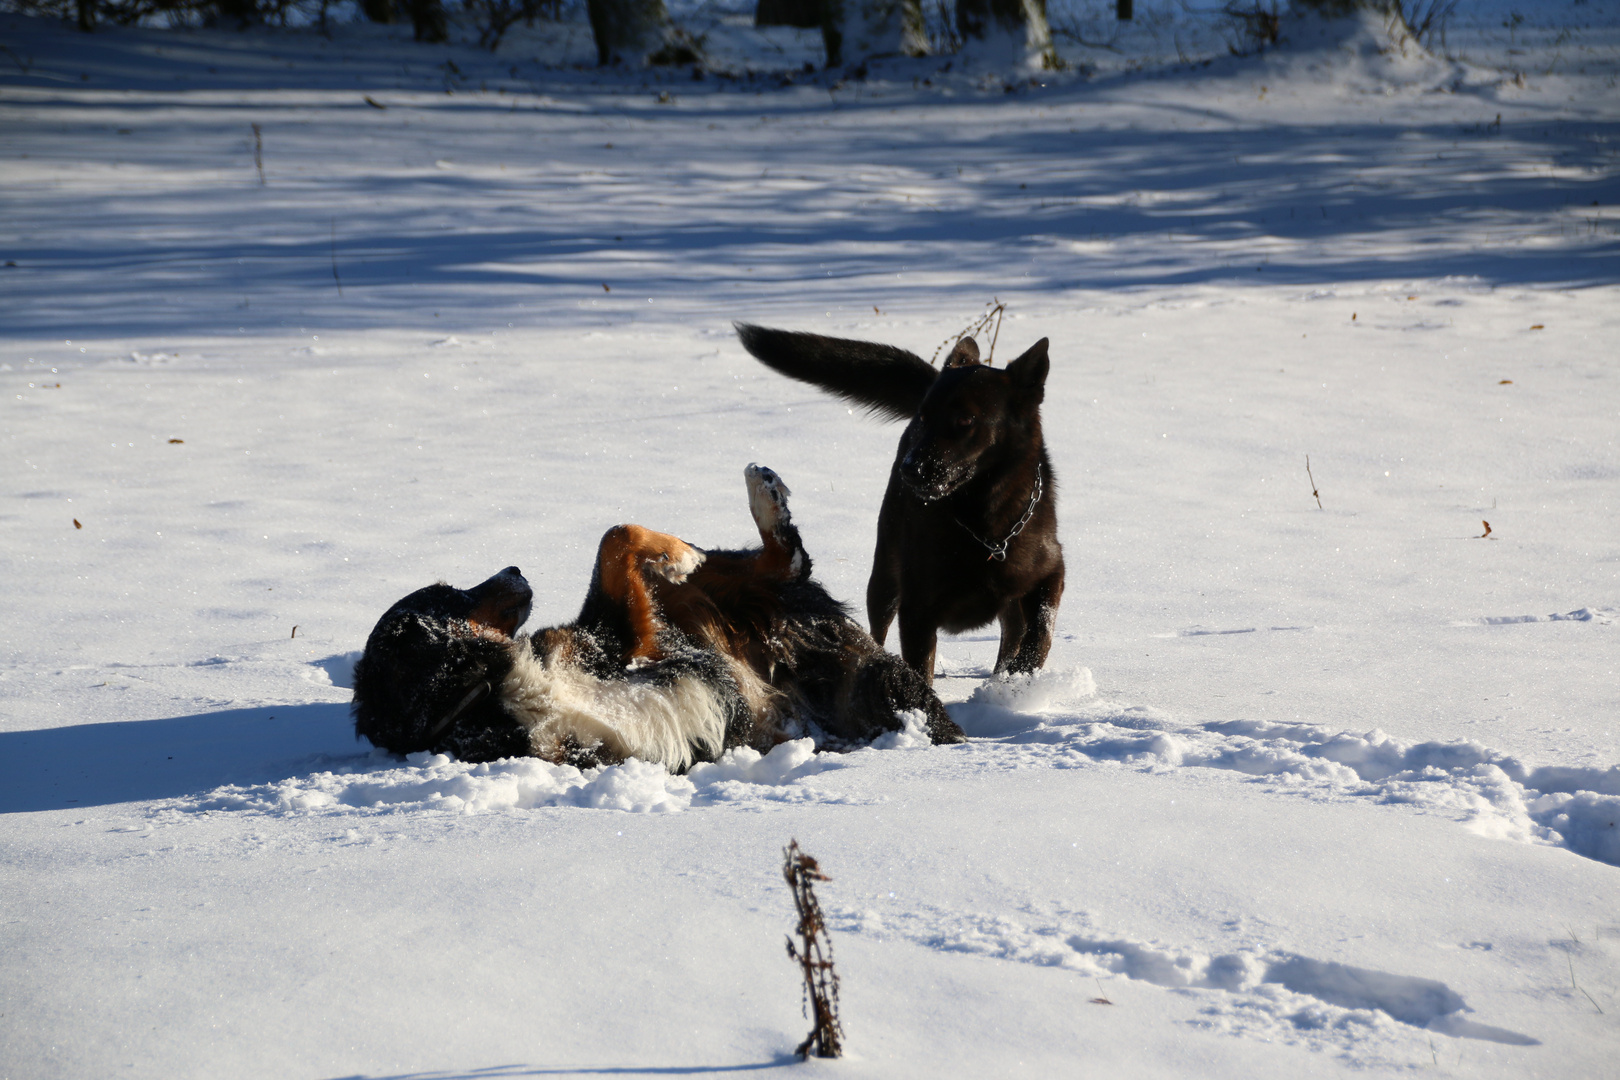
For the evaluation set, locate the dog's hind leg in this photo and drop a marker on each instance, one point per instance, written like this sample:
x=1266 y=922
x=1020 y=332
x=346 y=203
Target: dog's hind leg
x=1014 y=624
x=1039 y=614
x=626 y=553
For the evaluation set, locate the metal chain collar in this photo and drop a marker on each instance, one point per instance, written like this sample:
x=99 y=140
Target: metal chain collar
x=998 y=552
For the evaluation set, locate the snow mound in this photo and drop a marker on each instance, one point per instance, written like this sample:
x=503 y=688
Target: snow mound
x=1588 y=823
x=913 y=733
x=336 y=670
x=1004 y=704
x=1035 y=691
x=435 y=782
x=1364 y=51
x=744 y=775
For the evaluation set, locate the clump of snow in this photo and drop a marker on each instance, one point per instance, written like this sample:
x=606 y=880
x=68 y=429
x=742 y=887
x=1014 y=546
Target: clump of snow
x=436 y=782
x=1004 y=703
x=913 y=732
x=1035 y=691
x=1588 y=823
x=337 y=670
x=785 y=763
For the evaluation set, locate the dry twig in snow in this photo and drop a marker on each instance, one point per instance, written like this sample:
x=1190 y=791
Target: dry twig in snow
x=813 y=954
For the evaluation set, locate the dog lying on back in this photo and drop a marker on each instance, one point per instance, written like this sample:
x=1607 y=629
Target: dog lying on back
x=968 y=528
x=677 y=655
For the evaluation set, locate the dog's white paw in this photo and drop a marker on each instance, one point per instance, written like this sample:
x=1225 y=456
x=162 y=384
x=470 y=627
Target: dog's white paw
x=767 y=498
x=675 y=567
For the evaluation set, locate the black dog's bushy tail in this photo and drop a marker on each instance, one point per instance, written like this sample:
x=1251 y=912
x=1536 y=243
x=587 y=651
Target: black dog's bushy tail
x=889 y=381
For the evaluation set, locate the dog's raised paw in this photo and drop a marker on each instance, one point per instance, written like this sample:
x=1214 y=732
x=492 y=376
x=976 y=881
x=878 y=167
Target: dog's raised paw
x=675 y=563
x=767 y=497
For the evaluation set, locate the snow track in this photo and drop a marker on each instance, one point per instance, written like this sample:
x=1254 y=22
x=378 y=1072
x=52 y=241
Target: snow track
x=1255 y=991
x=1490 y=792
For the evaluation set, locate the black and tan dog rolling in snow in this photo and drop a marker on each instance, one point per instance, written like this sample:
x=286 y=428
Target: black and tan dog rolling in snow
x=968 y=528
x=677 y=655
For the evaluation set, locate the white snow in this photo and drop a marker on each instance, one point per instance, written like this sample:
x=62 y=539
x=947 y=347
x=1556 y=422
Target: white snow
x=1301 y=792
x=433 y=782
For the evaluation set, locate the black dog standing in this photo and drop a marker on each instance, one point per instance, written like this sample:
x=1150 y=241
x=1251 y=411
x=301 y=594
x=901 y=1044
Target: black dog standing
x=968 y=528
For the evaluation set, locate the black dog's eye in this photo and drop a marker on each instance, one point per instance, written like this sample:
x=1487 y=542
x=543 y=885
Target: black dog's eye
x=964 y=424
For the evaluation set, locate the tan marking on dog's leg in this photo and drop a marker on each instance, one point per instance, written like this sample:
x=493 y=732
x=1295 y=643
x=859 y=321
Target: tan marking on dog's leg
x=555 y=645
x=671 y=558
x=626 y=553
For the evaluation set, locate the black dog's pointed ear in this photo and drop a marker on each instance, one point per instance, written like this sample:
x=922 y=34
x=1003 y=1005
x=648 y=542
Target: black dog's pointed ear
x=965 y=354
x=1028 y=372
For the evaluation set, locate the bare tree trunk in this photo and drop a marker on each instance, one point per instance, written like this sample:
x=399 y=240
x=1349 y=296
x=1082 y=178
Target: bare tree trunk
x=1011 y=31
x=428 y=20
x=1123 y=10
x=379 y=11
x=245 y=12
x=87 y=15
x=1335 y=8
x=627 y=30
x=858 y=30
x=800 y=13
x=1393 y=11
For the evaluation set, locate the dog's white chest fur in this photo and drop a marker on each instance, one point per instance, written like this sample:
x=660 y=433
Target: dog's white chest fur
x=631 y=717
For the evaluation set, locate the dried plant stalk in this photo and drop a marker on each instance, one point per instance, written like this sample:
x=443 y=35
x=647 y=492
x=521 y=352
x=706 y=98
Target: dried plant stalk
x=993 y=312
x=813 y=953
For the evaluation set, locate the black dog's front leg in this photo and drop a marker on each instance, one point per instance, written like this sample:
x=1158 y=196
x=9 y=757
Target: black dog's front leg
x=1038 y=617
x=919 y=636
x=882 y=594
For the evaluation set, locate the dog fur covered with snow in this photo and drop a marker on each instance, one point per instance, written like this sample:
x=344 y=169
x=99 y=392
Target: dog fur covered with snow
x=677 y=655
x=968 y=528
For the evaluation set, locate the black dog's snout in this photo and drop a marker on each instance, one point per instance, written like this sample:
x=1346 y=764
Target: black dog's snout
x=920 y=469
x=507 y=587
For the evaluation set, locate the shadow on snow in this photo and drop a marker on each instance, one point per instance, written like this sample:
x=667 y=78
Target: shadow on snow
x=494 y=1072
x=140 y=760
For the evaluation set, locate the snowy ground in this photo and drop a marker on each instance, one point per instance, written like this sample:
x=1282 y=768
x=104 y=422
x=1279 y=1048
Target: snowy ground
x=1304 y=791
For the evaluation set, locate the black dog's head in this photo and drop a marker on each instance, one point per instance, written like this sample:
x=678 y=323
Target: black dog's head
x=429 y=677
x=970 y=417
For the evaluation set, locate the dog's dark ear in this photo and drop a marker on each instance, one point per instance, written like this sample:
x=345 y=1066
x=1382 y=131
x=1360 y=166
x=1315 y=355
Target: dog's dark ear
x=965 y=354
x=1028 y=372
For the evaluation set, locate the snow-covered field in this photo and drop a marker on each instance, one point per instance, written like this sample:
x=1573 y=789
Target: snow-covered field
x=1303 y=791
